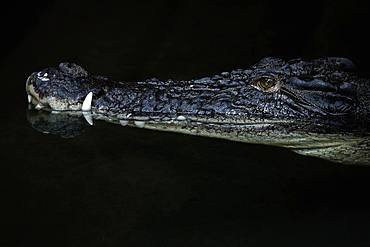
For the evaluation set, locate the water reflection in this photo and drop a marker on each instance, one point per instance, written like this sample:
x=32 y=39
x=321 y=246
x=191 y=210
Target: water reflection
x=63 y=125
x=352 y=148
x=130 y=186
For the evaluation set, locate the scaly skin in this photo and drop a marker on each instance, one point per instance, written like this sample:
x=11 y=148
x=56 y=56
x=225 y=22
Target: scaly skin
x=272 y=99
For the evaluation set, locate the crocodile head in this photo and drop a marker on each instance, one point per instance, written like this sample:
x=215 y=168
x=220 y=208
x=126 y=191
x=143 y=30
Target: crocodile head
x=270 y=89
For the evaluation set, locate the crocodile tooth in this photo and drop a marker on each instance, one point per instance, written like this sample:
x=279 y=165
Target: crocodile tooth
x=39 y=106
x=139 y=124
x=181 y=118
x=86 y=105
x=123 y=122
x=29 y=97
x=88 y=117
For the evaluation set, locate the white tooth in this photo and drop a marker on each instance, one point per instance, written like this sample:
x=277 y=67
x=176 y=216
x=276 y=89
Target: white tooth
x=39 y=107
x=86 y=105
x=29 y=97
x=88 y=117
x=139 y=124
x=181 y=118
x=123 y=122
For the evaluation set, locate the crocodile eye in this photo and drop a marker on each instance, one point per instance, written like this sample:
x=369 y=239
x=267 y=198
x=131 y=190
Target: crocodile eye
x=266 y=84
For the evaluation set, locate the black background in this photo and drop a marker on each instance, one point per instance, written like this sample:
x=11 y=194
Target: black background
x=123 y=186
x=228 y=33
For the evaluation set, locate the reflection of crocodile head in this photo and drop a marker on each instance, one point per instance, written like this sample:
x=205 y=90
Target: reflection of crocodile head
x=271 y=89
x=63 y=124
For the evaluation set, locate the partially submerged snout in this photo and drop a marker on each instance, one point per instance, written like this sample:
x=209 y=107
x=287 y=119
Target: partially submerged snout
x=59 y=89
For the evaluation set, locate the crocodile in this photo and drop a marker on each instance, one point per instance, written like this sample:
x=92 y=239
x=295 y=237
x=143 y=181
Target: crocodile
x=318 y=107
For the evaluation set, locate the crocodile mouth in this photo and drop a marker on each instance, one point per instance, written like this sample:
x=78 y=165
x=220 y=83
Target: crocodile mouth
x=33 y=97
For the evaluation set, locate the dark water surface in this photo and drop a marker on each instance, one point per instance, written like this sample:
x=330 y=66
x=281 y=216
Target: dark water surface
x=124 y=186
